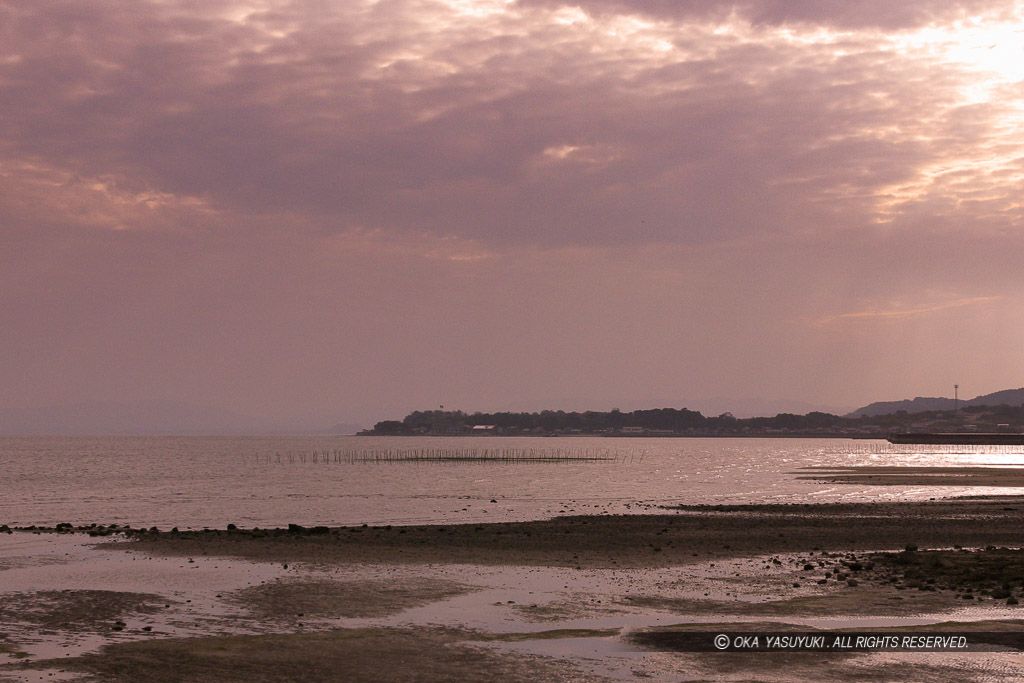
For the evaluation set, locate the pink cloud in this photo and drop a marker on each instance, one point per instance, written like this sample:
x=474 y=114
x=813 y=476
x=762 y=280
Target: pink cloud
x=291 y=206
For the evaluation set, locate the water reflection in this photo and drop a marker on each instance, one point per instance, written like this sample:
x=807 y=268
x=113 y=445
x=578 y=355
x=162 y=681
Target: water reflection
x=251 y=481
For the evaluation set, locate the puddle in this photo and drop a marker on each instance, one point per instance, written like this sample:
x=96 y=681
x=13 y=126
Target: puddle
x=198 y=597
x=507 y=599
x=35 y=562
x=43 y=574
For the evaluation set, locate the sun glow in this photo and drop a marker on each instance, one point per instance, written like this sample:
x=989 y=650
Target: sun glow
x=991 y=54
x=987 y=61
x=994 y=50
x=478 y=8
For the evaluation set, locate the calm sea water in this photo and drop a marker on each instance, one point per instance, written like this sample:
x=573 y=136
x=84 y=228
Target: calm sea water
x=192 y=482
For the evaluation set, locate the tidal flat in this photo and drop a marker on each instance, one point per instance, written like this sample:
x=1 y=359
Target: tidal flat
x=563 y=599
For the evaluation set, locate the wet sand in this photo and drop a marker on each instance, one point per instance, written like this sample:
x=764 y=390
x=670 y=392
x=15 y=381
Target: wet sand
x=1012 y=477
x=683 y=535
x=562 y=599
x=351 y=655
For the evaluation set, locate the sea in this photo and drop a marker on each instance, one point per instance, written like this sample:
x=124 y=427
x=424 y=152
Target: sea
x=194 y=482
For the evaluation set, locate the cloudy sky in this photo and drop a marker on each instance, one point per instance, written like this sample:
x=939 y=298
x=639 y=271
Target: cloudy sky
x=342 y=210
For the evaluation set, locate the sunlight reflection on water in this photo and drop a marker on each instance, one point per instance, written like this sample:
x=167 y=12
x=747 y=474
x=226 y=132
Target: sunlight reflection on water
x=213 y=481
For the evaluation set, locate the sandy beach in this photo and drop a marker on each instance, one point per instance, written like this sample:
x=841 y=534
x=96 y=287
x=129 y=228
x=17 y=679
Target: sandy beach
x=560 y=600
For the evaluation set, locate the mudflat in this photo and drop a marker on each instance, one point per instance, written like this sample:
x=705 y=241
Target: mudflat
x=564 y=599
x=682 y=535
x=884 y=475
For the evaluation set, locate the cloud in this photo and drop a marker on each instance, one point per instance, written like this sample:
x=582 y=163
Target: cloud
x=843 y=14
x=902 y=312
x=191 y=190
x=421 y=116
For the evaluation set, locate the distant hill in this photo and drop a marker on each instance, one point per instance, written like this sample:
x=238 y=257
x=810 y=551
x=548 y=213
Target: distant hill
x=740 y=407
x=1010 y=397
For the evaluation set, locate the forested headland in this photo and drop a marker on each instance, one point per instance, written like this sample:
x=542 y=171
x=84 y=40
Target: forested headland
x=684 y=422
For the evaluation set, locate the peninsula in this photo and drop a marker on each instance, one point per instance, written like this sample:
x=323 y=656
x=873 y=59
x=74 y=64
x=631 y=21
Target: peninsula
x=681 y=422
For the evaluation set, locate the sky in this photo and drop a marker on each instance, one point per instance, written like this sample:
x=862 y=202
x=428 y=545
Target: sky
x=320 y=211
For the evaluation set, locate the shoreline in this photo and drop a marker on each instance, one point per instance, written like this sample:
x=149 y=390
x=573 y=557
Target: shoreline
x=530 y=600
x=992 y=476
x=679 y=536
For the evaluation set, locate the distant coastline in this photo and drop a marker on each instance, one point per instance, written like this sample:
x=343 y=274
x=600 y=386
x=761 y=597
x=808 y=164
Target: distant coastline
x=681 y=423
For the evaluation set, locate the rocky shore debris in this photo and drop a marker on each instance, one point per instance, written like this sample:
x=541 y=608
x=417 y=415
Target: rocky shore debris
x=793 y=539
x=995 y=573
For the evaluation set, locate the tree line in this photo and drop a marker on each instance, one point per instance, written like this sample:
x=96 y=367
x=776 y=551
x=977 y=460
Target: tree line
x=680 y=420
x=685 y=421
